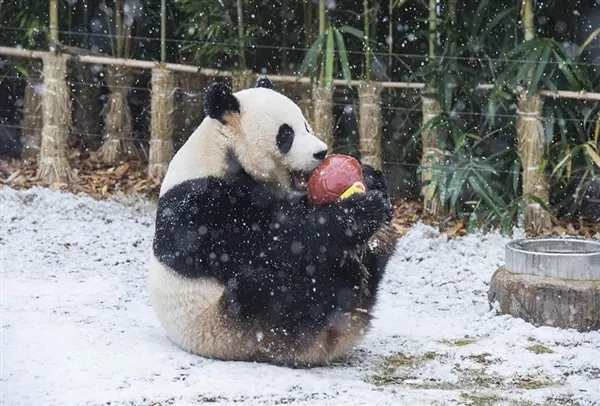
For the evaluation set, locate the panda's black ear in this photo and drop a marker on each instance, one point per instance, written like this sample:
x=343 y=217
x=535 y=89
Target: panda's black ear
x=265 y=82
x=218 y=101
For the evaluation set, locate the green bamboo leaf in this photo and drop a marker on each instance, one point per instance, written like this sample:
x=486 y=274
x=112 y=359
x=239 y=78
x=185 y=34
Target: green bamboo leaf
x=542 y=205
x=495 y=21
x=442 y=185
x=564 y=67
x=311 y=56
x=478 y=20
x=568 y=157
x=343 y=57
x=456 y=186
x=329 y=59
x=352 y=31
x=541 y=66
x=491 y=198
x=516 y=173
x=593 y=154
x=589 y=39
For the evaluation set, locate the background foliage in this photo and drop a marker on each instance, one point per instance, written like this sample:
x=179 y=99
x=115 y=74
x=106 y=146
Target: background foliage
x=477 y=42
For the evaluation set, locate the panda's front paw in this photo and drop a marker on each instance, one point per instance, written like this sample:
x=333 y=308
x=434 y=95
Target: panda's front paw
x=368 y=211
x=374 y=179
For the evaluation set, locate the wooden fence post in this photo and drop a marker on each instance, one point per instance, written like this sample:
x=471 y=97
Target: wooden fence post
x=322 y=114
x=161 y=137
x=432 y=155
x=531 y=148
x=53 y=164
x=369 y=94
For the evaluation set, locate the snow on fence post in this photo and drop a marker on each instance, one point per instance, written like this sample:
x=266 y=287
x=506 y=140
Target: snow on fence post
x=369 y=94
x=162 y=108
x=53 y=165
x=531 y=148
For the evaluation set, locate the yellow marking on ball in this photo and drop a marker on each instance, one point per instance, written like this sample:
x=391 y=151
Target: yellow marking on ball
x=357 y=187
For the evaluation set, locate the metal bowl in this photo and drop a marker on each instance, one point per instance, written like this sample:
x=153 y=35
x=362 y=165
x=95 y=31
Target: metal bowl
x=566 y=258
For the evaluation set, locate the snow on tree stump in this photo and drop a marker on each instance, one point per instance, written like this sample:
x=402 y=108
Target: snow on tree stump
x=550 y=282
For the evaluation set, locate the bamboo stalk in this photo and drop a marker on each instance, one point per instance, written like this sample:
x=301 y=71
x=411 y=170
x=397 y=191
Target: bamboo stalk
x=162 y=108
x=322 y=28
x=240 y=27
x=531 y=143
x=369 y=94
x=366 y=40
x=432 y=27
x=53 y=165
x=432 y=155
x=53 y=26
x=163 y=30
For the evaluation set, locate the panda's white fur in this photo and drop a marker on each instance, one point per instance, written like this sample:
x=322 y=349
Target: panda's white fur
x=191 y=309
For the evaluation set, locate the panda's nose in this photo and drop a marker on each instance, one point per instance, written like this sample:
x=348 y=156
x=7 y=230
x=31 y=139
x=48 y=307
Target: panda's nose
x=320 y=155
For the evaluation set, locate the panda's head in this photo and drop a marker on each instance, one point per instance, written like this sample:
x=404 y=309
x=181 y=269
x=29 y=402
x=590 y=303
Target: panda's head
x=266 y=134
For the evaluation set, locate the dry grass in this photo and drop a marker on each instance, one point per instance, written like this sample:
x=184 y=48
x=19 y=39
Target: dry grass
x=369 y=94
x=163 y=106
x=119 y=127
x=531 y=146
x=432 y=155
x=242 y=79
x=56 y=109
x=323 y=114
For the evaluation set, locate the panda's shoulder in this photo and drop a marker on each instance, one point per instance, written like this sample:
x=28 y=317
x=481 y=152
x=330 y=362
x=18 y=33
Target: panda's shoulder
x=206 y=186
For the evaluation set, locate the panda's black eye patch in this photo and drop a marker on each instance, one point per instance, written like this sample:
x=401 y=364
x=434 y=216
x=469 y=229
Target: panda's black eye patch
x=285 y=138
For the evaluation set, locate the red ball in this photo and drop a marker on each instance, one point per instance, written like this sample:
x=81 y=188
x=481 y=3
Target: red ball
x=332 y=178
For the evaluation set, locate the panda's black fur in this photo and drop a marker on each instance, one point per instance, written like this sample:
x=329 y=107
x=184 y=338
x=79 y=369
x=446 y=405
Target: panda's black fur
x=286 y=266
x=279 y=258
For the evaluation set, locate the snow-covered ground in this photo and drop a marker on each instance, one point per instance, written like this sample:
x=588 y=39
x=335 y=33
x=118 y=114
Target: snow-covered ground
x=78 y=328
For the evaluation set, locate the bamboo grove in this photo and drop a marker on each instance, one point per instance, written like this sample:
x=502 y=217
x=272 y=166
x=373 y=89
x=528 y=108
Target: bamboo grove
x=456 y=101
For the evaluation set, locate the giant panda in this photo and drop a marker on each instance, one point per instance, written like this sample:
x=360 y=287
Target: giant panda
x=243 y=268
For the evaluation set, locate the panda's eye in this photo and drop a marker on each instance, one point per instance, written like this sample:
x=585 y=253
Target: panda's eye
x=306 y=126
x=285 y=138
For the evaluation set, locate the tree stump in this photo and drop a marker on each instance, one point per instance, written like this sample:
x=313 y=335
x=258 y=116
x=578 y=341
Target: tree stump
x=550 y=282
